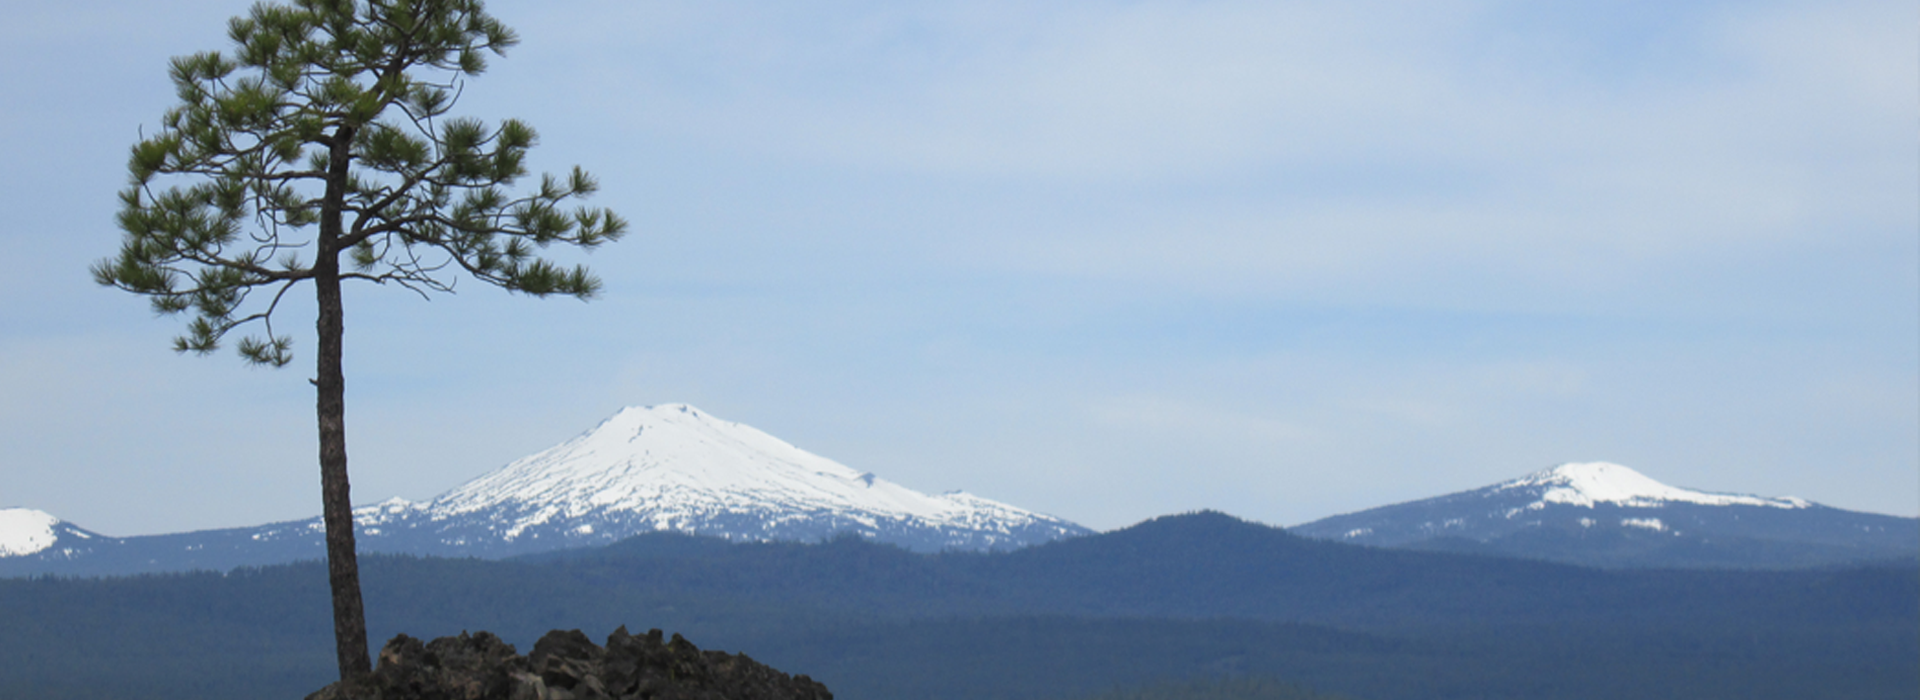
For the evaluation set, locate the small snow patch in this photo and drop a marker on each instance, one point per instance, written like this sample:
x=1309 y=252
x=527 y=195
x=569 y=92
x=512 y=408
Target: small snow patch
x=1653 y=524
x=1359 y=532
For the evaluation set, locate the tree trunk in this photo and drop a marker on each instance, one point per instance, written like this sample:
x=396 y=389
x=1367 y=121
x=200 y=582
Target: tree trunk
x=330 y=384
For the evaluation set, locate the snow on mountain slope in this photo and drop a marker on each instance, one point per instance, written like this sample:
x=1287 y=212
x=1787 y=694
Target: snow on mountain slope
x=676 y=463
x=674 y=467
x=25 y=531
x=1589 y=483
x=1603 y=514
x=670 y=467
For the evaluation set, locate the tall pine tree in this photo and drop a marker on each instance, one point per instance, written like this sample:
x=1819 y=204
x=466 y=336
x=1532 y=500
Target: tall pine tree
x=325 y=135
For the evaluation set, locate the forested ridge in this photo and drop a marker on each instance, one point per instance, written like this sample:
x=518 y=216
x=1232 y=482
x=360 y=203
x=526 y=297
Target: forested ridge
x=1168 y=602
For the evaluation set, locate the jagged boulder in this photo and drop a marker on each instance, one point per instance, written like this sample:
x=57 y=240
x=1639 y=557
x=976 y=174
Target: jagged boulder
x=566 y=665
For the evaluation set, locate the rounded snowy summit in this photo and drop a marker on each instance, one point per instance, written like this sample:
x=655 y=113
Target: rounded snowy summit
x=25 y=531
x=1590 y=483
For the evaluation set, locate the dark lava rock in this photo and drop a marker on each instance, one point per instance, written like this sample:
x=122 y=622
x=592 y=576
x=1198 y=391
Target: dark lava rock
x=565 y=665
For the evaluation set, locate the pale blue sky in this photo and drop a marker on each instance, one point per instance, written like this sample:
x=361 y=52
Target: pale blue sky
x=1107 y=260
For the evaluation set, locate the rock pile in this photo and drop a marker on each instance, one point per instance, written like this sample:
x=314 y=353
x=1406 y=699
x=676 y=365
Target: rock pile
x=565 y=665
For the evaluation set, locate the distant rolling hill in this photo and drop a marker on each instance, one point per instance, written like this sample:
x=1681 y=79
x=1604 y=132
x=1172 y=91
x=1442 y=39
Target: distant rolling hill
x=1607 y=515
x=1208 y=565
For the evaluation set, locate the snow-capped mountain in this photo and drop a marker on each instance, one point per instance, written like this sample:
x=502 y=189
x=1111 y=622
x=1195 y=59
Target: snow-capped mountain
x=1602 y=514
x=27 y=532
x=670 y=467
x=674 y=467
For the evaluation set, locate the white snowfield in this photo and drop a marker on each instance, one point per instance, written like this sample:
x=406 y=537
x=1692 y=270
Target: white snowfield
x=1590 y=483
x=676 y=466
x=25 y=531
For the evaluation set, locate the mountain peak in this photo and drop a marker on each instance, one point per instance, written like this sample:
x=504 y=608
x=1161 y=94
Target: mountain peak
x=663 y=411
x=1605 y=514
x=25 y=531
x=644 y=469
x=643 y=455
x=675 y=467
x=1590 y=483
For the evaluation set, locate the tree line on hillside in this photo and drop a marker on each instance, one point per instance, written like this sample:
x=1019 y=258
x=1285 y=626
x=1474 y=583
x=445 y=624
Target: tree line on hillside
x=265 y=632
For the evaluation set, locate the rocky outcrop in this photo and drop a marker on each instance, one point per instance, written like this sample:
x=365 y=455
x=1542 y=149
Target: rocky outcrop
x=565 y=665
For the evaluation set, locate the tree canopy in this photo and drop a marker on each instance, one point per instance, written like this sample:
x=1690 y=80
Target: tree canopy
x=326 y=132
x=338 y=108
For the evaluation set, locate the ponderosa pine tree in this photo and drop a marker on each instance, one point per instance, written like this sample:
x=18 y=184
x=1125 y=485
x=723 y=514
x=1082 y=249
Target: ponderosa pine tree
x=324 y=135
